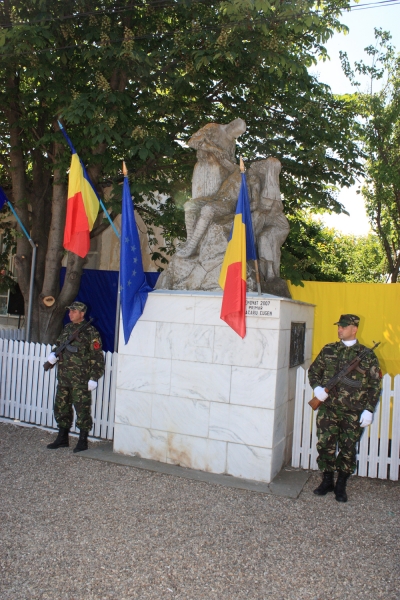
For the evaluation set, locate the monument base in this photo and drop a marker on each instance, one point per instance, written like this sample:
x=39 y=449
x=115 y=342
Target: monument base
x=191 y=392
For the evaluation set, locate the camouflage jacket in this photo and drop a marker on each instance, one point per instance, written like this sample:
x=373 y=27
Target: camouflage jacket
x=87 y=362
x=361 y=388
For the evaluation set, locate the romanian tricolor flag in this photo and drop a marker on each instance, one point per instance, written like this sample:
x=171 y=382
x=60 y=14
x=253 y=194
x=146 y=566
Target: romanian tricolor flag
x=232 y=279
x=82 y=206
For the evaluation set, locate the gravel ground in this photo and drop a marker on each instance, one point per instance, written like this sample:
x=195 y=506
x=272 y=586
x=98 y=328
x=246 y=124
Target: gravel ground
x=75 y=529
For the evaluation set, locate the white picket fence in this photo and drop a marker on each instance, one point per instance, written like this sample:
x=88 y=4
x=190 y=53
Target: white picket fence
x=27 y=391
x=379 y=449
x=12 y=334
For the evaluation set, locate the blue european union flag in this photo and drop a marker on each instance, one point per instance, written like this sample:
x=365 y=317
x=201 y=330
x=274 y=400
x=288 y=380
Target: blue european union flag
x=134 y=289
x=3 y=198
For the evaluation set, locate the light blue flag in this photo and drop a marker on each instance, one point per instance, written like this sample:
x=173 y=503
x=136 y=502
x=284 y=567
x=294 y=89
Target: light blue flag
x=134 y=289
x=4 y=200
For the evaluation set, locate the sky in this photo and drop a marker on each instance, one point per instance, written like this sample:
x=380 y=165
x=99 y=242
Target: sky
x=361 y=22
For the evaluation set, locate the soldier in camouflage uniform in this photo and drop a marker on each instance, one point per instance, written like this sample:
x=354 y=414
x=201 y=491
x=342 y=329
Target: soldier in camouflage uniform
x=348 y=408
x=80 y=366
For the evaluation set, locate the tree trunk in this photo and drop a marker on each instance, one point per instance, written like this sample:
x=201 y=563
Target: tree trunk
x=52 y=318
x=41 y=216
x=52 y=314
x=20 y=200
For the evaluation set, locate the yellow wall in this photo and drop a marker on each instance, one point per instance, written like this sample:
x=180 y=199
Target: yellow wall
x=377 y=305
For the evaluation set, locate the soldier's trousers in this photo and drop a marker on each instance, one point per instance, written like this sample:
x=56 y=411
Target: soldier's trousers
x=79 y=397
x=337 y=425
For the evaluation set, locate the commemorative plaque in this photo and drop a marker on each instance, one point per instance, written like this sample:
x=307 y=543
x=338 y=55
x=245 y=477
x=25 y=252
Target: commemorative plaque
x=262 y=308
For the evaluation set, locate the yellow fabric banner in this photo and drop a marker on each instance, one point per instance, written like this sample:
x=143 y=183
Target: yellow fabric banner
x=375 y=303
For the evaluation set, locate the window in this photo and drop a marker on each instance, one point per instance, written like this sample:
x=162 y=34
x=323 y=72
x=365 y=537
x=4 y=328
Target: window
x=5 y=268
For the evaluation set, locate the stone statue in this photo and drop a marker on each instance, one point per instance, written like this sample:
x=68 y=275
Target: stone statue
x=209 y=210
x=270 y=225
x=209 y=215
x=215 y=145
x=216 y=149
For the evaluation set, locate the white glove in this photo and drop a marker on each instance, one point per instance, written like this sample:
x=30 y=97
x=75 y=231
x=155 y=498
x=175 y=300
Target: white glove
x=320 y=393
x=52 y=358
x=92 y=385
x=366 y=418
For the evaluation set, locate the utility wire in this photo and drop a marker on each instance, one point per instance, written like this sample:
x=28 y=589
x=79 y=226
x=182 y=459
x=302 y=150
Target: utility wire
x=357 y=9
x=377 y=4
x=167 y=3
x=154 y=4
x=99 y=45
x=388 y=2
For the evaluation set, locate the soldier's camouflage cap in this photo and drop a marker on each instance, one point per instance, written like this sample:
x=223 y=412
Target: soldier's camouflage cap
x=77 y=306
x=346 y=320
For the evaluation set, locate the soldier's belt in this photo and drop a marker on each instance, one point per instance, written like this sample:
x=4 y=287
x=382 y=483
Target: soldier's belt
x=351 y=382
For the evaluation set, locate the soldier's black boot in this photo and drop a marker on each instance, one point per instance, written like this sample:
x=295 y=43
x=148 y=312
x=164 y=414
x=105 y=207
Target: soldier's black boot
x=82 y=442
x=61 y=440
x=340 y=487
x=326 y=484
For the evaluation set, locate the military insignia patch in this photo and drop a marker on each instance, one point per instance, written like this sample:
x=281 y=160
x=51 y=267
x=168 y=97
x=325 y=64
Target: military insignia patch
x=96 y=345
x=375 y=372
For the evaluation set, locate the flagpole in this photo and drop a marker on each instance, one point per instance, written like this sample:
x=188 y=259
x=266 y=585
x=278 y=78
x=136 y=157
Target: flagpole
x=118 y=309
x=242 y=170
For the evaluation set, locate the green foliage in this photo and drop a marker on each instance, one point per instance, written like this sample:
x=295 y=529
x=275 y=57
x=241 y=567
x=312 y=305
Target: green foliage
x=138 y=80
x=301 y=256
x=365 y=260
x=313 y=252
x=135 y=81
x=379 y=131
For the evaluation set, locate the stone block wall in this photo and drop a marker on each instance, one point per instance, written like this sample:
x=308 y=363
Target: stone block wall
x=191 y=392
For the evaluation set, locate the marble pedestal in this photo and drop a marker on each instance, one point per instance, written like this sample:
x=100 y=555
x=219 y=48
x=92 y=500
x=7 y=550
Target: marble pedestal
x=191 y=392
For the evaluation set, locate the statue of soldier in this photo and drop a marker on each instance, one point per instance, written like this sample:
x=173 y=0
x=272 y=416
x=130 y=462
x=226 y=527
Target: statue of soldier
x=271 y=227
x=215 y=145
x=210 y=212
x=80 y=366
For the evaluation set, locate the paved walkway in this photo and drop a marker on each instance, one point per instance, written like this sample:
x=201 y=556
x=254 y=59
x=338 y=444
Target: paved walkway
x=79 y=529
